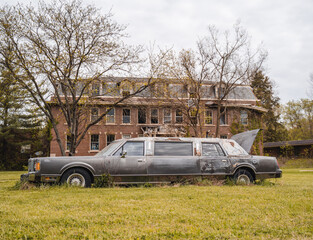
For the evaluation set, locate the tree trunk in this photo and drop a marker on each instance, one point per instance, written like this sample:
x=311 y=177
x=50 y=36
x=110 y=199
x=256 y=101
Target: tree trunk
x=218 y=121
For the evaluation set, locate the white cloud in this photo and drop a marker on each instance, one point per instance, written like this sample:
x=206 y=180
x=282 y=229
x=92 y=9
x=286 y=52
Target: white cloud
x=284 y=26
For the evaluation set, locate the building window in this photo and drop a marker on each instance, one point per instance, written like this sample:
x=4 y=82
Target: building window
x=154 y=116
x=126 y=115
x=244 y=117
x=104 y=88
x=95 y=89
x=68 y=142
x=223 y=119
x=167 y=115
x=126 y=136
x=94 y=142
x=94 y=112
x=110 y=138
x=223 y=137
x=208 y=116
x=110 y=116
x=179 y=116
x=126 y=87
x=142 y=116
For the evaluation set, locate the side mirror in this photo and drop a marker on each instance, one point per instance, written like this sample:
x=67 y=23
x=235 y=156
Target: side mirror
x=123 y=154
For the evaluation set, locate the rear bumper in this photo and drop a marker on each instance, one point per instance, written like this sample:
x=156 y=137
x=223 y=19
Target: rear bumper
x=265 y=175
x=279 y=173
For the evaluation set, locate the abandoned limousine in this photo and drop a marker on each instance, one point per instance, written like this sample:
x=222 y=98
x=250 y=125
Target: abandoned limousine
x=159 y=159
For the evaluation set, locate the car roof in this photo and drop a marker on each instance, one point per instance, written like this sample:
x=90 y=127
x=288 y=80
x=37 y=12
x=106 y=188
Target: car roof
x=178 y=139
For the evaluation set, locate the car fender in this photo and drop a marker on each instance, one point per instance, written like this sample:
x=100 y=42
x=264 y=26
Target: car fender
x=243 y=165
x=77 y=164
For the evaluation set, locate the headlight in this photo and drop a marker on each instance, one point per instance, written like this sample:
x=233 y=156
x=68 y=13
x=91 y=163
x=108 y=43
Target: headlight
x=37 y=166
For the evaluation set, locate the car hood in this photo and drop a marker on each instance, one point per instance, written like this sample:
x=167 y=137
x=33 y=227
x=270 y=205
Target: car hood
x=246 y=139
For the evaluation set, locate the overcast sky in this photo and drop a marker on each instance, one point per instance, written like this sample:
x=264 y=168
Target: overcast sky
x=285 y=27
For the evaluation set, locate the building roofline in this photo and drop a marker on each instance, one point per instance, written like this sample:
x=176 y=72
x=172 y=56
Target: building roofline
x=288 y=143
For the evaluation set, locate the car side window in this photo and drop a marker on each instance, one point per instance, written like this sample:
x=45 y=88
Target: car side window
x=131 y=149
x=173 y=149
x=212 y=150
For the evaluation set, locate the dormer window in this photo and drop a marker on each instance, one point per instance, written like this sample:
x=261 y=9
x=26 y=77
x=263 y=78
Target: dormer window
x=220 y=91
x=126 y=87
x=95 y=89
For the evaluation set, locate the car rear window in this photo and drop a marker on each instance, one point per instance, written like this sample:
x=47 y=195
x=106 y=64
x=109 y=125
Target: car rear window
x=212 y=149
x=173 y=149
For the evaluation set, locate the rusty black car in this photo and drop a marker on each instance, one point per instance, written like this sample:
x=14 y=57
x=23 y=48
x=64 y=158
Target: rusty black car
x=159 y=159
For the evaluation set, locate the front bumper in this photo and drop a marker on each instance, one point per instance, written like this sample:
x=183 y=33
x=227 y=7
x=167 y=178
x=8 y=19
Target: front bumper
x=35 y=177
x=30 y=177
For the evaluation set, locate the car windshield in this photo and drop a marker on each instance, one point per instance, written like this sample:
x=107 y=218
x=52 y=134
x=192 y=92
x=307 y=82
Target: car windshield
x=108 y=149
x=233 y=148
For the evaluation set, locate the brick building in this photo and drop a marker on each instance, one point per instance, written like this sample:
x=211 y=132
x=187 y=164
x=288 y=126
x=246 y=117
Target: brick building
x=152 y=113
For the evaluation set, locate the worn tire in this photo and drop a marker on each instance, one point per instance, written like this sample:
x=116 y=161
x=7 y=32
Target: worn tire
x=243 y=177
x=77 y=177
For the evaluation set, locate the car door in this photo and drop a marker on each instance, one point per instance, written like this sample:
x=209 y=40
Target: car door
x=173 y=158
x=213 y=160
x=129 y=159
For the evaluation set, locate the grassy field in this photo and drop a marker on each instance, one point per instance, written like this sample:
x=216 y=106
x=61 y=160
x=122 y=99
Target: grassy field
x=278 y=209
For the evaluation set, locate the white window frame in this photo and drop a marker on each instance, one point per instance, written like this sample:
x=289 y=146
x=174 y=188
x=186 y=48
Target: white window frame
x=90 y=145
x=245 y=112
x=130 y=113
x=107 y=138
x=225 y=113
x=126 y=136
x=157 y=115
x=145 y=109
x=170 y=116
x=206 y=116
x=93 y=93
x=181 y=117
x=110 y=116
x=91 y=116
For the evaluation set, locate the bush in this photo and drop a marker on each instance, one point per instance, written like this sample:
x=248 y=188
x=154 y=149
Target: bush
x=104 y=181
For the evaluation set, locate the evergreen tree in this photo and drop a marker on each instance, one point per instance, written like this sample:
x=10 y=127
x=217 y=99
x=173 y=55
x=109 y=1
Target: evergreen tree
x=19 y=125
x=274 y=130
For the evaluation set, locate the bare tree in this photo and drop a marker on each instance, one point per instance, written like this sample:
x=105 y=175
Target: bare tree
x=60 y=49
x=310 y=91
x=225 y=60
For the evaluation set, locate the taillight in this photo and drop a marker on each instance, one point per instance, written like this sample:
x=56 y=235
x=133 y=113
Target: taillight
x=277 y=162
x=37 y=166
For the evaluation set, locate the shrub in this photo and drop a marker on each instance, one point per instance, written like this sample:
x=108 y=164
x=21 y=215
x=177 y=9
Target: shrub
x=104 y=181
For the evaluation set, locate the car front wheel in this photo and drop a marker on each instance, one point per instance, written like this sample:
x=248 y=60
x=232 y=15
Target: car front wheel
x=77 y=177
x=243 y=177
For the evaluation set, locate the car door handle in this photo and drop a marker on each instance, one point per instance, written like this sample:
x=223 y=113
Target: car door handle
x=141 y=160
x=224 y=160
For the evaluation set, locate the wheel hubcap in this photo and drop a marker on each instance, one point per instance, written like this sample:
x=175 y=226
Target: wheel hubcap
x=76 y=179
x=243 y=179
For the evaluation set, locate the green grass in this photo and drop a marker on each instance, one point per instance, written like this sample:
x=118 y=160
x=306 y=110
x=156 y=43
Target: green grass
x=286 y=163
x=281 y=210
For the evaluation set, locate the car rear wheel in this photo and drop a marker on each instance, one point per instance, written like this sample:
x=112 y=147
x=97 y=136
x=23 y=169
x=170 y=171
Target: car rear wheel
x=243 y=177
x=77 y=177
